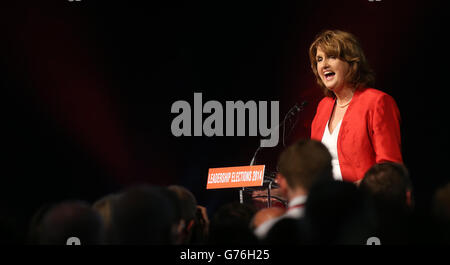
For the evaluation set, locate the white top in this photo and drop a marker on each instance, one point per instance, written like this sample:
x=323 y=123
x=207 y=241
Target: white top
x=295 y=210
x=330 y=141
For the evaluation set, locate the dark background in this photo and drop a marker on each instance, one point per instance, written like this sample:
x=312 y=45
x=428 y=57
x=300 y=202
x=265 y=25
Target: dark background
x=88 y=86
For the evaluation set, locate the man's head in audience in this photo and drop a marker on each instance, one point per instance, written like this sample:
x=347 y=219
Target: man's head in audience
x=188 y=210
x=301 y=165
x=230 y=225
x=70 y=219
x=143 y=215
x=389 y=186
x=441 y=215
x=441 y=204
x=337 y=212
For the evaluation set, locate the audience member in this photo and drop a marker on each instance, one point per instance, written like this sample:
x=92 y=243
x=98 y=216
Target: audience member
x=35 y=223
x=288 y=231
x=301 y=165
x=337 y=213
x=200 y=229
x=143 y=215
x=231 y=225
x=103 y=207
x=69 y=219
x=188 y=211
x=389 y=186
x=441 y=214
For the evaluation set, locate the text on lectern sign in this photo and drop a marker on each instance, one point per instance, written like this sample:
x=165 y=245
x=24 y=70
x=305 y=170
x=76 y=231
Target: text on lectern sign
x=235 y=177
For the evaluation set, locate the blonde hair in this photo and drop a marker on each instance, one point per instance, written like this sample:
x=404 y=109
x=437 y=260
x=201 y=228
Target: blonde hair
x=345 y=46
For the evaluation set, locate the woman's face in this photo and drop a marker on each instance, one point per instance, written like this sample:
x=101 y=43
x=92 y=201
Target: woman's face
x=332 y=70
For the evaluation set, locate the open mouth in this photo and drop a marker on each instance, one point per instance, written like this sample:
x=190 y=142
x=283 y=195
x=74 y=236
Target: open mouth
x=329 y=75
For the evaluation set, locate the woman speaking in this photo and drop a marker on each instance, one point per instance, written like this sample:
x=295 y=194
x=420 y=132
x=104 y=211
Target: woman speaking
x=359 y=125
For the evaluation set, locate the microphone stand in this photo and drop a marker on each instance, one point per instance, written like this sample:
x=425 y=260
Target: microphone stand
x=291 y=113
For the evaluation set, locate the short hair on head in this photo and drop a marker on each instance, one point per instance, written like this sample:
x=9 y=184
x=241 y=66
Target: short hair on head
x=304 y=163
x=441 y=203
x=387 y=183
x=143 y=215
x=346 y=47
x=230 y=225
x=70 y=219
x=187 y=200
x=337 y=212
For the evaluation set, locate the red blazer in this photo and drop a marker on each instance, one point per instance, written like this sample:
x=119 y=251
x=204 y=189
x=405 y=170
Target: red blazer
x=369 y=133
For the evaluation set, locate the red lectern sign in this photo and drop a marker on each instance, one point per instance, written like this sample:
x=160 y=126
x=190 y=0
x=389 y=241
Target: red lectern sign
x=235 y=177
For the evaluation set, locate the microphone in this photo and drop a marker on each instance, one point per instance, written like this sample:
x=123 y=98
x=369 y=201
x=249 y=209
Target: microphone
x=303 y=104
x=297 y=108
x=291 y=113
